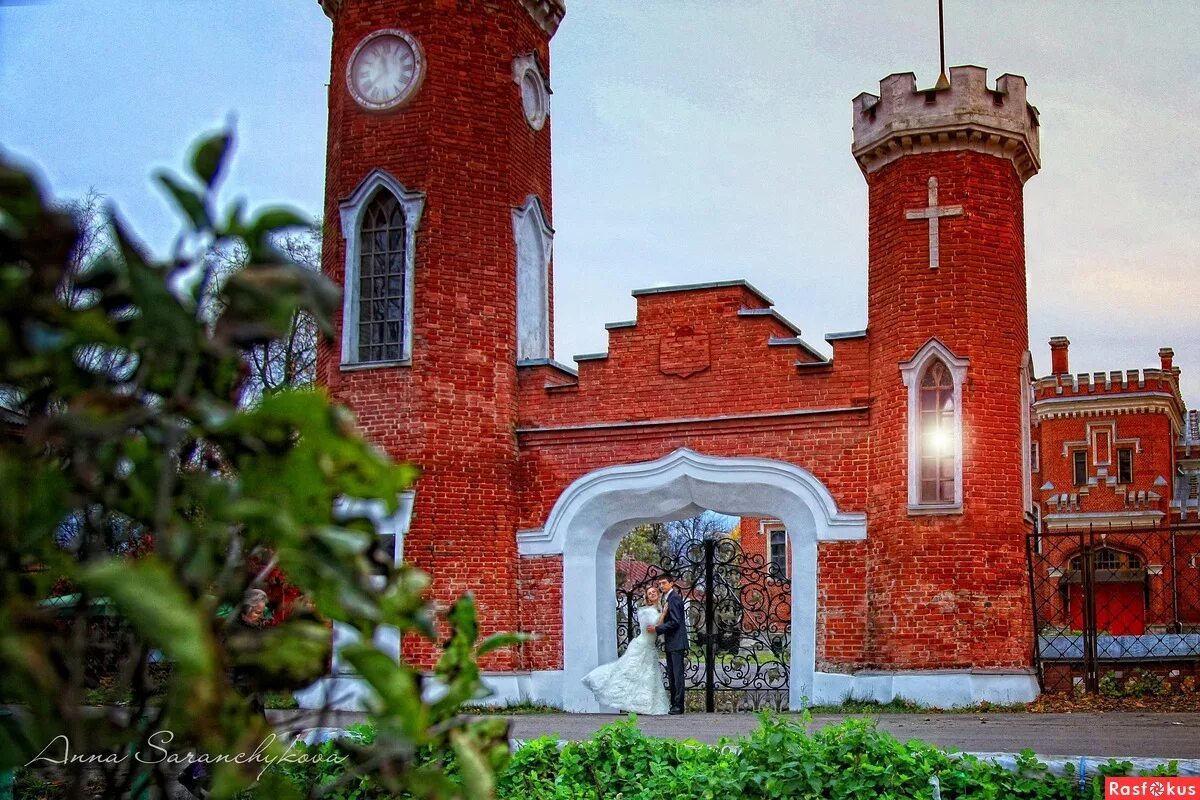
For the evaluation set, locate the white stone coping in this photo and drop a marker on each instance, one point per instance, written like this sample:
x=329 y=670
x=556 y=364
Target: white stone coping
x=692 y=287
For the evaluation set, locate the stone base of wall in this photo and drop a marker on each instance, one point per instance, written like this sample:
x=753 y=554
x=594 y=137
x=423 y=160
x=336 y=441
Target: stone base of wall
x=348 y=692
x=936 y=688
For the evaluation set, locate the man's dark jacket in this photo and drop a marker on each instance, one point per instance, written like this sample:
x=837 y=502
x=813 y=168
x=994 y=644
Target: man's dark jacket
x=674 y=628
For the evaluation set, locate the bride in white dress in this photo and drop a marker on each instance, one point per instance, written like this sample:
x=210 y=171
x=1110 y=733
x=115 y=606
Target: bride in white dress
x=634 y=681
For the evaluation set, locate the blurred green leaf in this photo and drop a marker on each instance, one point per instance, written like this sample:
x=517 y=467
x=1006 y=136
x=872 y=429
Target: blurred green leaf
x=209 y=157
x=190 y=203
x=146 y=591
x=500 y=640
x=396 y=686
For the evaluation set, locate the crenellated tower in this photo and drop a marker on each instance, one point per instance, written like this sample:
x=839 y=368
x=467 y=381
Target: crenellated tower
x=438 y=229
x=949 y=375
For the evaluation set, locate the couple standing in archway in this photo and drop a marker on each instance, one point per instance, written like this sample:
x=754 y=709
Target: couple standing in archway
x=634 y=681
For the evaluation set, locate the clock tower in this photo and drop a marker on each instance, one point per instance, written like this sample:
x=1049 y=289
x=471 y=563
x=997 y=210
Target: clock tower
x=438 y=229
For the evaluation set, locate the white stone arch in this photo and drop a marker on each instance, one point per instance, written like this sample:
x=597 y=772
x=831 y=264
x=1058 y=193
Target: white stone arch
x=597 y=510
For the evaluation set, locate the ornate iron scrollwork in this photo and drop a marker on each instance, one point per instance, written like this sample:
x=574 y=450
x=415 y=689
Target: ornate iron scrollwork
x=738 y=612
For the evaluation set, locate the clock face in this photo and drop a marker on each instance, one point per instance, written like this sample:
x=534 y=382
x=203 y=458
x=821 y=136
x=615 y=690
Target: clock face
x=384 y=70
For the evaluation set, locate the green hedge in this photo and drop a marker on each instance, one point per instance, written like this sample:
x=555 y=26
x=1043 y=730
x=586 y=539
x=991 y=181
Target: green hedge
x=778 y=760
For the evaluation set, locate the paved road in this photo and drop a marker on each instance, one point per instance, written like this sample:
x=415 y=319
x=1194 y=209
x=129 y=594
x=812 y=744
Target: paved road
x=1115 y=734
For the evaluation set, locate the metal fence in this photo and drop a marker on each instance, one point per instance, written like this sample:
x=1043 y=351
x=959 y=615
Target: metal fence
x=1107 y=600
x=739 y=621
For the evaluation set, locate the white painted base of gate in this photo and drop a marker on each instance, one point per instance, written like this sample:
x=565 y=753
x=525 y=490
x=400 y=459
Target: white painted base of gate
x=348 y=692
x=951 y=688
x=934 y=688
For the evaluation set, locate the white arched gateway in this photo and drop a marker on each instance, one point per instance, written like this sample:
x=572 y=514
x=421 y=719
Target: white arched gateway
x=593 y=514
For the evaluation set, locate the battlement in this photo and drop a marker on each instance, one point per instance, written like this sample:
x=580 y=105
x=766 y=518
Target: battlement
x=1107 y=383
x=966 y=116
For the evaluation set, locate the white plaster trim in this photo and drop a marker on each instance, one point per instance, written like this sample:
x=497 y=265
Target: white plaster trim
x=350 y=211
x=1026 y=390
x=595 y=512
x=349 y=692
x=1106 y=519
x=911 y=372
x=933 y=688
x=1111 y=403
x=395 y=524
x=530 y=221
x=521 y=66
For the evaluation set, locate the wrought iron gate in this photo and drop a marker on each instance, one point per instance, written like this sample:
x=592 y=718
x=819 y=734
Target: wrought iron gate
x=1109 y=600
x=738 y=614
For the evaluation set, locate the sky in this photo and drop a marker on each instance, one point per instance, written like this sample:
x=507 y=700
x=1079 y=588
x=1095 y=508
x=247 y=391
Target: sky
x=693 y=140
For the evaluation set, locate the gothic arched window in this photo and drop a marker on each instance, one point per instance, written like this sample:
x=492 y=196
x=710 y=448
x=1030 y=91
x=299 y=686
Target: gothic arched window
x=379 y=222
x=382 y=283
x=934 y=377
x=937 y=432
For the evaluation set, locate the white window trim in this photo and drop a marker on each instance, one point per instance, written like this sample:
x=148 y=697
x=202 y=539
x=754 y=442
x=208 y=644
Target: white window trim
x=1027 y=444
x=351 y=210
x=534 y=211
x=520 y=66
x=911 y=371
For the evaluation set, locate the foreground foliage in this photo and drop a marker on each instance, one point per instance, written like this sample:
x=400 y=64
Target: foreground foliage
x=145 y=496
x=852 y=760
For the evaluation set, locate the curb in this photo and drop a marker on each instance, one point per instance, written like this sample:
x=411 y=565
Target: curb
x=1083 y=766
x=1086 y=765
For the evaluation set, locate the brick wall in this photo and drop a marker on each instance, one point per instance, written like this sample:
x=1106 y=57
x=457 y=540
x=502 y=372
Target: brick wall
x=462 y=140
x=948 y=591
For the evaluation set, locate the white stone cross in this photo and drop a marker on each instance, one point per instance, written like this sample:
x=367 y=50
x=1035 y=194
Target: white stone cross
x=933 y=213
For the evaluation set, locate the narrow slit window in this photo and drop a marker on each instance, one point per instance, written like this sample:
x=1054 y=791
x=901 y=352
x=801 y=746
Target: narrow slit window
x=1080 y=467
x=777 y=546
x=1125 y=465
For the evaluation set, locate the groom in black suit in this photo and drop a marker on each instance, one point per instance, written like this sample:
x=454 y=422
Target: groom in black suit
x=674 y=631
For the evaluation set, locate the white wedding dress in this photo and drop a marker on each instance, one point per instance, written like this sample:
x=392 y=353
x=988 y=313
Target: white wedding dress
x=634 y=681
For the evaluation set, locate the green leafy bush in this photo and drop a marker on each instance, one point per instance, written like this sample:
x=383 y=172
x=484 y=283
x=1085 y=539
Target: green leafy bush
x=1139 y=683
x=849 y=761
x=137 y=483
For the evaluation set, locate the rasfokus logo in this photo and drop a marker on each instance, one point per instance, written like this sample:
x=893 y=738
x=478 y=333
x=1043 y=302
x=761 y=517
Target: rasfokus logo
x=1151 y=787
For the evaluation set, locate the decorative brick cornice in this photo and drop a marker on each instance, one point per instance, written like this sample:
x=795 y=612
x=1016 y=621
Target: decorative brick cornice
x=546 y=13
x=966 y=116
x=1109 y=405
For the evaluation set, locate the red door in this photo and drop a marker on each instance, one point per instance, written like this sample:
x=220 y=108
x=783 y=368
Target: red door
x=1120 y=608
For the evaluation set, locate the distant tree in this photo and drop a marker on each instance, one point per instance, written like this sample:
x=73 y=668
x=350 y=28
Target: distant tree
x=290 y=360
x=648 y=543
x=659 y=542
x=705 y=525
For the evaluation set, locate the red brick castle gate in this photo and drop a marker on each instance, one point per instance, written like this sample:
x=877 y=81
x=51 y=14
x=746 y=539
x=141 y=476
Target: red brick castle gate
x=899 y=464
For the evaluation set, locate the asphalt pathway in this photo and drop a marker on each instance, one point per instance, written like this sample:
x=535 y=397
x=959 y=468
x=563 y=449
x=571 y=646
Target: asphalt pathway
x=1104 y=735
